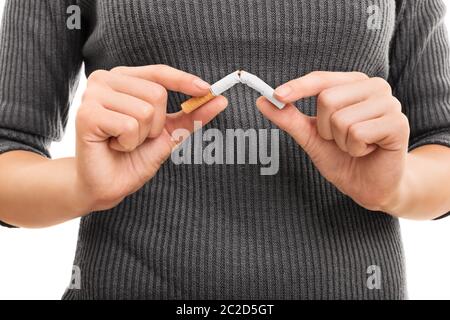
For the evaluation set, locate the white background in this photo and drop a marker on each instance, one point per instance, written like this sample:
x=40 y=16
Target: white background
x=37 y=264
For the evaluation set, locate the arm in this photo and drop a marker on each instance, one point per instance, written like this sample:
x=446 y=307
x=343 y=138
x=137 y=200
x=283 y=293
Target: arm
x=365 y=125
x=33 y=107
x=123 y=132
x=359 y=142
x=37 y=192
x=425 y=191
x=123 y=137
x=420 y=78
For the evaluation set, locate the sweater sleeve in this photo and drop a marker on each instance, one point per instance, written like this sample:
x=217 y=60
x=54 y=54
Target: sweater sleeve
x=40 y=60
x=420 y=70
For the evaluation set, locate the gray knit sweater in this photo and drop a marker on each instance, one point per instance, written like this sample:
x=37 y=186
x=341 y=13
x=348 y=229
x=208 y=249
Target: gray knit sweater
x=226 y=231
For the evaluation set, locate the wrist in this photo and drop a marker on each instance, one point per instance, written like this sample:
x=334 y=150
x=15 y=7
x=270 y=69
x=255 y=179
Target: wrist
x=399 y=203
x=82 y=201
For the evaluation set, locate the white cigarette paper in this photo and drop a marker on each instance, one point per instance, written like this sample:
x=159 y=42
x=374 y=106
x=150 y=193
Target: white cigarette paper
x=225 y=84
x=263 y=88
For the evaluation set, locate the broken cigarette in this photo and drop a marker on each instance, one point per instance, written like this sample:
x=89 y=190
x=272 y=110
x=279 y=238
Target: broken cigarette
x=263 y=88
x=196 y=102
x=227 y=83
x=216 y=90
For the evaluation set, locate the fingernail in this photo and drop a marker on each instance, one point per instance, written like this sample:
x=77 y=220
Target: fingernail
x=202 y=84
x=283 y=91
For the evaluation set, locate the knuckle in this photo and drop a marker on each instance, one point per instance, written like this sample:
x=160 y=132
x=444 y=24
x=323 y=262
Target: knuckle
x=158 y=67
x=130 y=126
x=396 y=104
x=146 y=114
x=354 y=133
x=339 y=121
x=326 y=98
x=85 y=120
x=317 y=73
x=404 y=119
x=159 y=93
x=98 y=76
x=360 y=75
x=404 y=123
x=381 y=84
x=190 y=78
x=119 y=70
x=315 y=77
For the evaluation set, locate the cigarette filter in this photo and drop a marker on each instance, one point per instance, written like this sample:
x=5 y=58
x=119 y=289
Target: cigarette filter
x=216 y=90
x=195 y=103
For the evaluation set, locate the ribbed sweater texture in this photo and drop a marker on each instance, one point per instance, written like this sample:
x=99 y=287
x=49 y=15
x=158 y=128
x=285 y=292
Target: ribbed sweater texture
x=226 y=231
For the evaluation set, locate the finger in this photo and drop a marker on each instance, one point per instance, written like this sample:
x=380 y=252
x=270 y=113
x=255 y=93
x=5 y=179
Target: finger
x=98 y=124
x=197 y=119
x=388 y=132
x=170 y=78
x=335 y=98
x=314 y=83
x=138 y=109
x=289 y=119
x=151 y=92
x=179 y=127
x=136 y=87
x=341 y=121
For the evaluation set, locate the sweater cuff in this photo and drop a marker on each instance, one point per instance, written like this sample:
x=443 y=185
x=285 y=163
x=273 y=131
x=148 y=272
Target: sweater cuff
x=15 y=140
x=441 y=137
x=11 y=145
x=442 y=217
x=2 y=224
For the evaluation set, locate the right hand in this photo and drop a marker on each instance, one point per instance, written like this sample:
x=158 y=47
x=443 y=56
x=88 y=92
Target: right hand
x=124 y=132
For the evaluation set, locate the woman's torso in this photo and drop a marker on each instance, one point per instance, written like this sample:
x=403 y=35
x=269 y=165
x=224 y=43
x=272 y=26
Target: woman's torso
x=224 y=231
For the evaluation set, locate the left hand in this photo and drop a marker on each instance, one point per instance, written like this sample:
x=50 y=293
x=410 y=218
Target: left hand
x=359 y=139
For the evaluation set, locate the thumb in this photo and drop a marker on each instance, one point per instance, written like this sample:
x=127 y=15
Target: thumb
x=204 y=115
x=298 y=125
